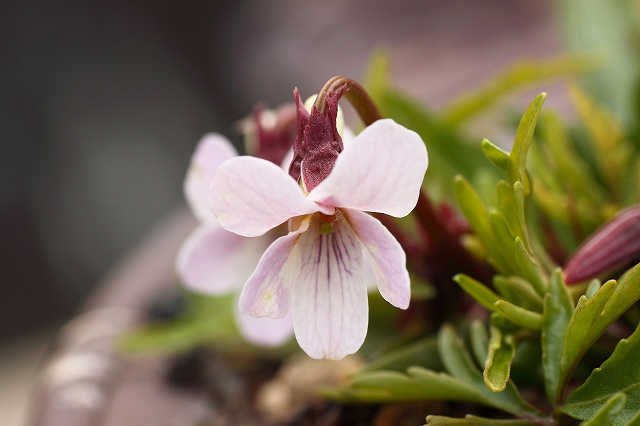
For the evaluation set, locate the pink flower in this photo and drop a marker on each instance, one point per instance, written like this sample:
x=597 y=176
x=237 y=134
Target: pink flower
x=214 y=261
x=317 y=270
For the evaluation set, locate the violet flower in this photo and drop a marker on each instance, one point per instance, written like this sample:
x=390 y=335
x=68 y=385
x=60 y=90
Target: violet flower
x=317 y=269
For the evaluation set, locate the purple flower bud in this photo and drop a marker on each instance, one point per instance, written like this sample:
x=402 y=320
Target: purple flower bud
x=318 y=142
x=614 y=244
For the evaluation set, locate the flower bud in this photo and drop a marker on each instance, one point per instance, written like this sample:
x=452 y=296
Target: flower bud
x=613 y=245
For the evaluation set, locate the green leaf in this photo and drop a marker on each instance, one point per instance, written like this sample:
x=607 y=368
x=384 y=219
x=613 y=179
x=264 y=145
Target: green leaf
x=523 y=317
x=529 y=268
x=618 y=374
x=497 y=368
x=502 y=252
x=558 y=309
x=459 y=364
x=592 y=316
x=480 y=292
x=593 y=288
x=495 y=154
x=522 y=142
x=479 y=341
x=476 y=213
x=606 y=415
x=418 y=384
x=423 y=353
x=470 y=420
x=518 y=291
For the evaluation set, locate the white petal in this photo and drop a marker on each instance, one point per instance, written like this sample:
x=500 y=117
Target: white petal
x=212 y=150
x=381 y=170
x=267 y=293
x=215 y=261
x=330 y=307
x=268 y=332
x=250 y=195
x=388 y=260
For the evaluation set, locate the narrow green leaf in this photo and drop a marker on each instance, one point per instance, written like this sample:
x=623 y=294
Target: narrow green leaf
x=580 y=330
x=593 y=288
x=518 y=291
x=480 y=292
x=417 y=385
x=470 y=420
x=620 y=373
x=626 y=293
x=592 y=316
x=524 y=136
x=523 y=317
x=558 y=309
x=529 y=268
x=495 y=154
x=497 y=369
x=504 y=237
x=509 y=206
x=420 y=384
x=479 y=341
x=476 y=213
x=607 y=414
x=459 y=364
x=423 y=353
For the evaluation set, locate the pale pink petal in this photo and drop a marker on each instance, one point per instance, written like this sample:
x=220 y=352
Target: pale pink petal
x=267 y=293
x=368 y=273
x=330 y=307
x=388 y=260
x=269 y=332
x=286 y=161
x=212 y=150
x=250 y=195
x=381 y=170
x=215 y=261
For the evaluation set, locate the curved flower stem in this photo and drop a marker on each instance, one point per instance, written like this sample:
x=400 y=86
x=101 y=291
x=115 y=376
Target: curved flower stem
x=354 y=93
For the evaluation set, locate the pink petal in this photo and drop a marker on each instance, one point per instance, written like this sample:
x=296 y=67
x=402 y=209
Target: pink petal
x=267 y=293
x=381 y=170
x=250 y=195
x=286 y=161
x=268 y=332
x=215 y=261
x=386 y=255
x=212 y=150
x=330 y=307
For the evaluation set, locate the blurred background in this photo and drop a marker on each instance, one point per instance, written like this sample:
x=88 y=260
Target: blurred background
x=102 y=103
